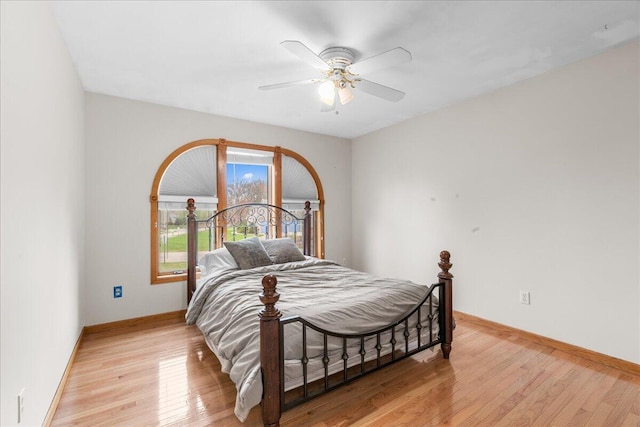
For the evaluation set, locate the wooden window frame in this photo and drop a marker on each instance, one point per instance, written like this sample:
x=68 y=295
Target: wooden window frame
x=221 y=165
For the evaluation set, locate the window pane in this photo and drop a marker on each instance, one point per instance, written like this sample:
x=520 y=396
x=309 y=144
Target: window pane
x=246 y=183
x=296 y=233
x=172 y=237
x=297 y=183
x=192 y=173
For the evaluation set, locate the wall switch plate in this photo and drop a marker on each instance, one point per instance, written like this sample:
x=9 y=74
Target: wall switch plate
x=525 y=297
x=117 y=291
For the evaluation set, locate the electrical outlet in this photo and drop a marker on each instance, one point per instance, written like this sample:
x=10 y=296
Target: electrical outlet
x=117 y=291
x=20 y=406
x=525 y=297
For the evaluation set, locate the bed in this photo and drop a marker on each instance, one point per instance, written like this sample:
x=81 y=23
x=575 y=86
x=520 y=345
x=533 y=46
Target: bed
x=287 y=326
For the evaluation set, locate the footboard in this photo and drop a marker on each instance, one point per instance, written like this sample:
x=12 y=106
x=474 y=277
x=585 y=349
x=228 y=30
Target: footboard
x=345 y=357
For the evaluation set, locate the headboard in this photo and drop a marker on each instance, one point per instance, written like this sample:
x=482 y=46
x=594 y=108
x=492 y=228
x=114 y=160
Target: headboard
x=242 y=221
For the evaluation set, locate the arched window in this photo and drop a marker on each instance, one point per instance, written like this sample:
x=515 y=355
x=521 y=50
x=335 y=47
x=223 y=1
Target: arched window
x=218 y=173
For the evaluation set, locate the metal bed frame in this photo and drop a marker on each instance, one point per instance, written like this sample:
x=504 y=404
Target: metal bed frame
x=278 y=222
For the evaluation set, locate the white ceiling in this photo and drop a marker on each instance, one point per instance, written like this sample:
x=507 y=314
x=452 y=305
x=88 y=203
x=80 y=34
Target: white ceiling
x=212 y=56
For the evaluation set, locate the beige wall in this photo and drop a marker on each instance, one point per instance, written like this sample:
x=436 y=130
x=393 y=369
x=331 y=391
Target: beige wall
x=42 y=209
x=532 y=187
x=126 y=143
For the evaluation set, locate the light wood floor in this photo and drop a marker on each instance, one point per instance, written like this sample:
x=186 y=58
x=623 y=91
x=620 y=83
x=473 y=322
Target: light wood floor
x=163 y=374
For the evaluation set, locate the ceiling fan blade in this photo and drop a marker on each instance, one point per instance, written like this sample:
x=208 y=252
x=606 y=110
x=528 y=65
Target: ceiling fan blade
x=306 y=54
x=289 y=84
x=384 y=60
x=375 y=89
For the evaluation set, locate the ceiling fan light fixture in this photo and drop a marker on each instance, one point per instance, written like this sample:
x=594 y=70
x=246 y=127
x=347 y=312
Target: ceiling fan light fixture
x=327 y=91
x=345 y=94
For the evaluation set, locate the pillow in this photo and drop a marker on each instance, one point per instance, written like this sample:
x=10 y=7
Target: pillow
x=282 y=250
x=219 y=259
x=248 y=253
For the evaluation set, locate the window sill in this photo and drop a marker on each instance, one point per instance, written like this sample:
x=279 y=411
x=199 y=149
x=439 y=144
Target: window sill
x=171 y=278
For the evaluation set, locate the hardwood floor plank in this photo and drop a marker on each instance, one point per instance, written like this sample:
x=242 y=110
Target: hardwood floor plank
x=598 y=416
x=574 y=405
x=632 y=420
x=163 y=374
x=623 y=407
x=566 y=393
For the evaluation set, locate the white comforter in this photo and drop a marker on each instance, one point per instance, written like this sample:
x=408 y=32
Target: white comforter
x=225 y=307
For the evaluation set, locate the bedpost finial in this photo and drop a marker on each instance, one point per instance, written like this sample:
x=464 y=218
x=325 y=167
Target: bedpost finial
x=191 y=206
x=269 y=283
x=445 y=265
x=269 y=297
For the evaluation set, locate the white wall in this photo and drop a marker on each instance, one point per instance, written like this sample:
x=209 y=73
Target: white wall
x=533 y=187
x=126 y=143
x=42 y=209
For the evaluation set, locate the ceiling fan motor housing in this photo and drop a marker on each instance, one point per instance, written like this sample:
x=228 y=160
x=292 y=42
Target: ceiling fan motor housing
x=337 y=57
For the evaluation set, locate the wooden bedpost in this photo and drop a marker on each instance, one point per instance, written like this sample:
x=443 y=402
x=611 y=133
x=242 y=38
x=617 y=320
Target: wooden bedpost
x=306 y=240
x=446 y=303
x=192 y=244
x=270 y=353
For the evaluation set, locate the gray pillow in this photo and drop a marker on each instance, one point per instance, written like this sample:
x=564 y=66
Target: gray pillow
x=282 y=250
x=248 y=253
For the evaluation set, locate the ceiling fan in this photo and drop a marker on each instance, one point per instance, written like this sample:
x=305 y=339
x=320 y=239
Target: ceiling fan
x=341 y=74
